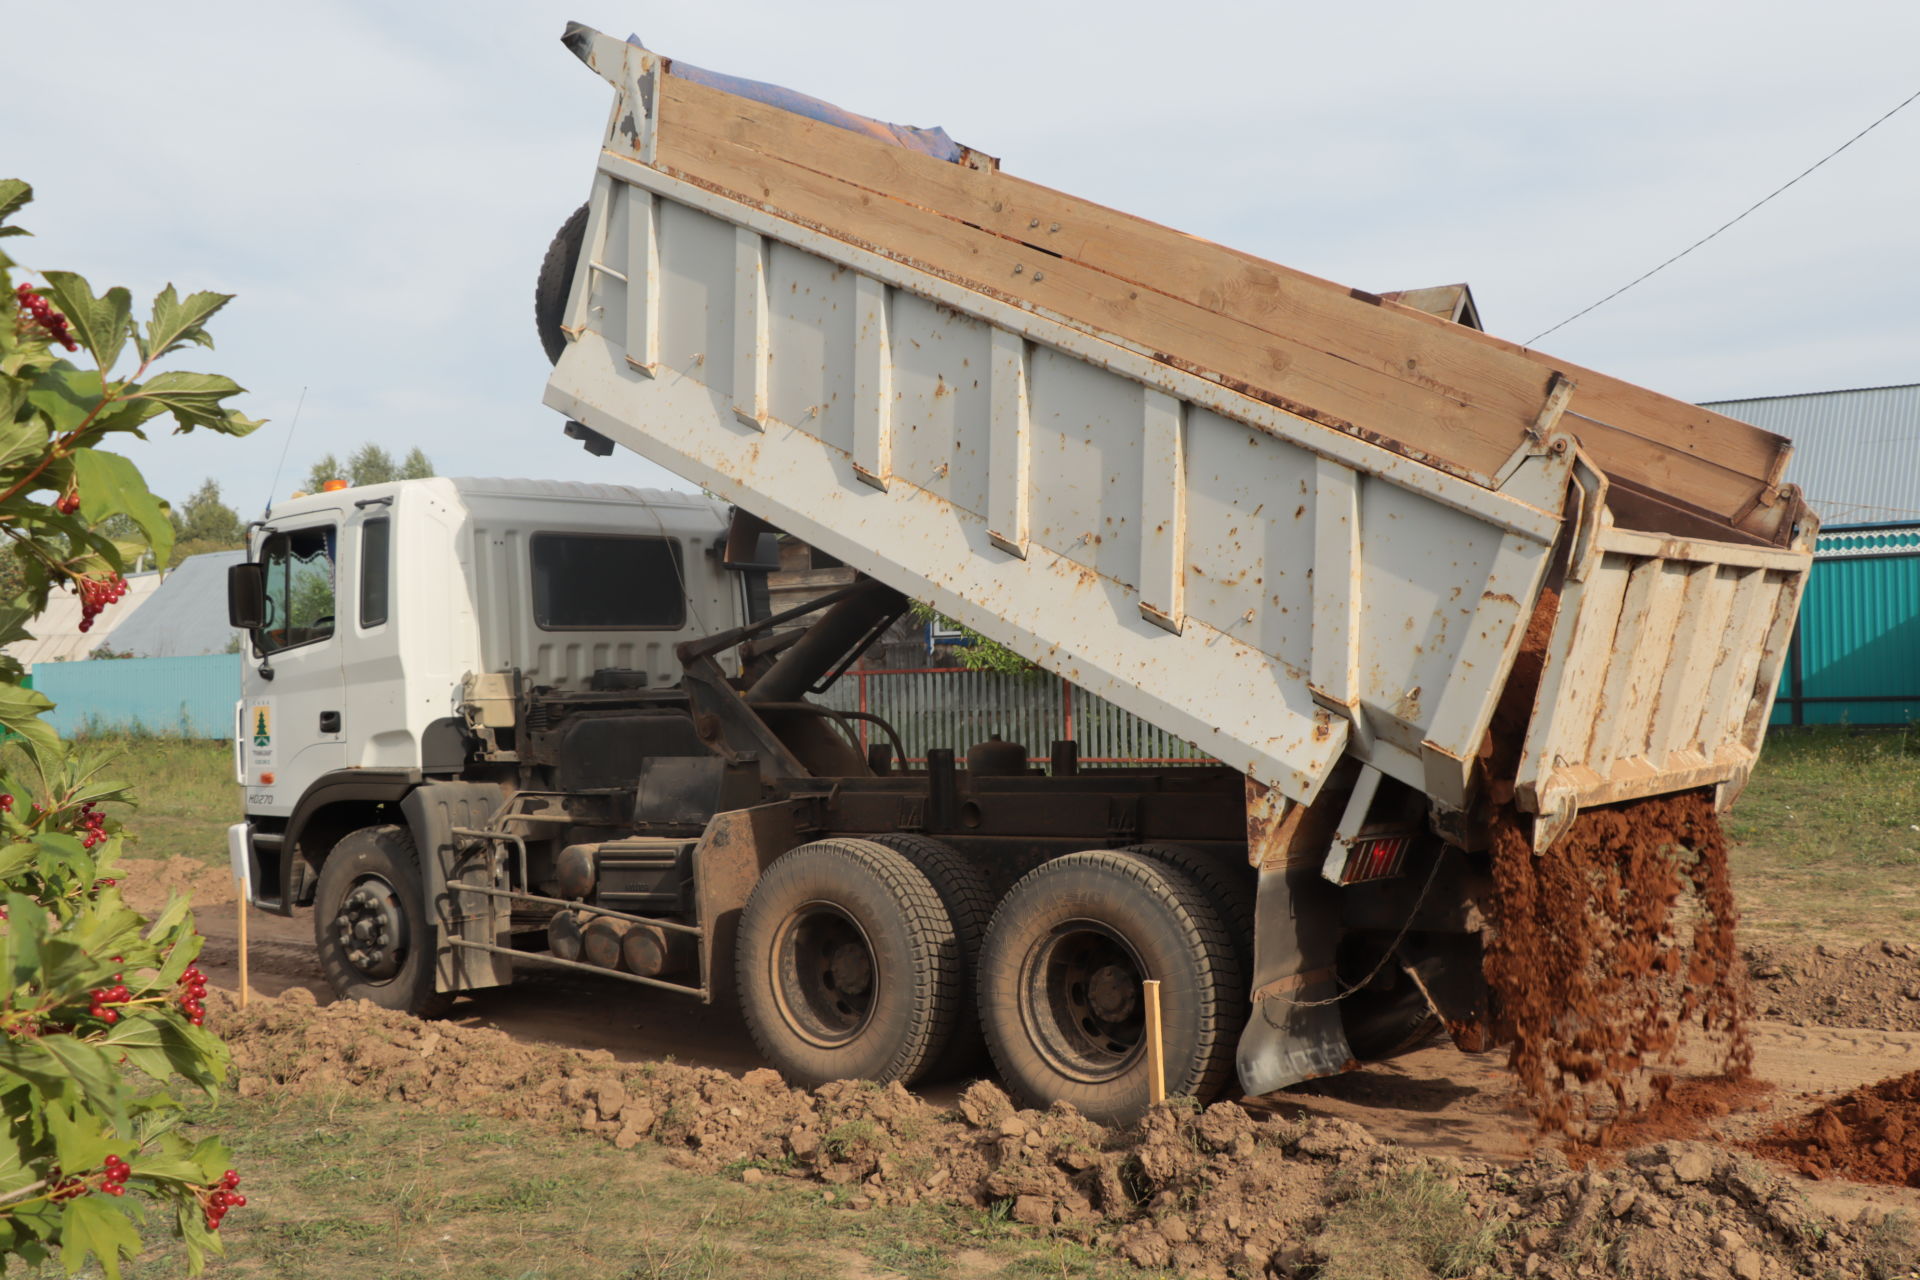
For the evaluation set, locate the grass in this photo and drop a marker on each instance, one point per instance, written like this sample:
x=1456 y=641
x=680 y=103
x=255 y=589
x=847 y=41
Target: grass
x=1828 y=837
x=338 y=1185
x=1411 y=1225
x=185 y=795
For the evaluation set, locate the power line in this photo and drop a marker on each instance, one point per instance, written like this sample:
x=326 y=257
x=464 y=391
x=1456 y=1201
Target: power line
x=1716 y=231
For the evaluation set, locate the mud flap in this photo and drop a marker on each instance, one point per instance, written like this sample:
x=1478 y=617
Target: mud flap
x=1289 y=1037
x=432 y=811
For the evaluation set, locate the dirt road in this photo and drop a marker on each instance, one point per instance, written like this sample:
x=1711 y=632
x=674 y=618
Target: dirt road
x=1436 y=1099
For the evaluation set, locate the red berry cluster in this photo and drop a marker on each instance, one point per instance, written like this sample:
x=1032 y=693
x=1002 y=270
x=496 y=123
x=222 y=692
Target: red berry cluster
x=191 y=999
x=66 y=1188
x=223 y=1198
x=96 y=594
x=6 y=803
x=67 y=503
x=93 y=825
x=118 y=1172
x=106 y=996
x=45 y=316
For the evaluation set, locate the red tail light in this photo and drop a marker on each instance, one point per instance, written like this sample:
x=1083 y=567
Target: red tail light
x=1375 y=858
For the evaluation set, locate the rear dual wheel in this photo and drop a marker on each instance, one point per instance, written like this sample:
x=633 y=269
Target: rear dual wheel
x=848 y=964
x=1062 y=973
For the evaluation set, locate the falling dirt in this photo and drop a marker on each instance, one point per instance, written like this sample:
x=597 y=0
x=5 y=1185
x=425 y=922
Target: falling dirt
x=1596 y=967
x=1213 y=1193
x=1869 y=1135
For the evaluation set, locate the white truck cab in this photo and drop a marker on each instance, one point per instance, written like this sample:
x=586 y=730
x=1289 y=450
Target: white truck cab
x=387 y=607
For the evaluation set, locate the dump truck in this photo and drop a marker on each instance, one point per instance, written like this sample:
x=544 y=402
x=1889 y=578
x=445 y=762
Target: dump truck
x=1394 y=577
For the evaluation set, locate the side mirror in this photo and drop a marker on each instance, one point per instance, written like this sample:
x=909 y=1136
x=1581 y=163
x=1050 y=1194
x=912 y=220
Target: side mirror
x=247 y=596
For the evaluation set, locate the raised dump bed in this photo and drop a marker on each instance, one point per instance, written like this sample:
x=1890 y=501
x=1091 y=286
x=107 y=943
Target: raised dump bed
x=1290 y=521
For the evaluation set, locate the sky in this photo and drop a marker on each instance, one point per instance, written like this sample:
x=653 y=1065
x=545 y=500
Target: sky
x=377 y=182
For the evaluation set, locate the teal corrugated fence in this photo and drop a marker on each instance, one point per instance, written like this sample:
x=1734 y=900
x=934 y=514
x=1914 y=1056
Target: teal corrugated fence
x=1856 y=653
x=182 y=697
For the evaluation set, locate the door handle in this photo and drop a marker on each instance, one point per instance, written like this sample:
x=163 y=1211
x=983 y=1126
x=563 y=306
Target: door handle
x=329 y=722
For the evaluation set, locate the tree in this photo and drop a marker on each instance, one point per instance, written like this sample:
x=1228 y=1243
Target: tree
x=369 y=464
x=205 y=523
x=980 y=653
x=101 y=1007
x=327 y=468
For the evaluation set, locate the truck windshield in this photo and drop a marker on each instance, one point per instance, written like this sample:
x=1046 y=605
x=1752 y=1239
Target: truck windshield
x=299 y=572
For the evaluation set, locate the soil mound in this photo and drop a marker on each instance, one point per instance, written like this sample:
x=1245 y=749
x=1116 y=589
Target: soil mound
x=1874 y=987
x=1596 y=965
x=1212 y=1193
x=147 y=883
x=1869 y=1135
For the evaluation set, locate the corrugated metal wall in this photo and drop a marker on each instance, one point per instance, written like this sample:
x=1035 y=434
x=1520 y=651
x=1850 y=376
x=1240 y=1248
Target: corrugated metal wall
x=1856 y=653
x=949 y=708
x=182 y=697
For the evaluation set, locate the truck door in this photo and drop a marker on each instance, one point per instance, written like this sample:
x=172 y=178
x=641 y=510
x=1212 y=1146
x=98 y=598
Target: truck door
x=294 y=719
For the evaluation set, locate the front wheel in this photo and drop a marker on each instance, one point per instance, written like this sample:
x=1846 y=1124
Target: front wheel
x=1061 y=984
x=370 y=923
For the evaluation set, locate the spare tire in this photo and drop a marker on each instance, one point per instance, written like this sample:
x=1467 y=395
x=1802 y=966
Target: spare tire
x=556 y=282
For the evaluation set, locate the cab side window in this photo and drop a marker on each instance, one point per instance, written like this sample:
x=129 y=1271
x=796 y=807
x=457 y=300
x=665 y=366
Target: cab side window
x=300 y=584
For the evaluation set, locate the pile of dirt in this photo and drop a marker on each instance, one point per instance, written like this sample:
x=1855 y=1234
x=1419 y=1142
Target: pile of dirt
x=1212 y=1192
x=1869 y=1135
x=1874 y=987
x=1595 y=965
x=147 y=883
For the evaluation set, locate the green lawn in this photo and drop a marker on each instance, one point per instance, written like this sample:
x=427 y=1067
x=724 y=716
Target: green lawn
x=1828 y=836
x=337 y=1185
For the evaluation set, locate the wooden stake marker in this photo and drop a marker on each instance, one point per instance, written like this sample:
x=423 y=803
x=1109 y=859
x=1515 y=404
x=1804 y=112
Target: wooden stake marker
x=1156 y=1048
x=240 y=909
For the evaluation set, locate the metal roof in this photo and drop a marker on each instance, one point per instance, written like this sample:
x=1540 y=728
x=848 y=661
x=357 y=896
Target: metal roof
x=1856 y=454
x=186 y=614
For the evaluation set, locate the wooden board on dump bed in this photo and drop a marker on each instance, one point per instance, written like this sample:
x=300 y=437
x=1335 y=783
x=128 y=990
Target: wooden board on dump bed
x=1445 y=394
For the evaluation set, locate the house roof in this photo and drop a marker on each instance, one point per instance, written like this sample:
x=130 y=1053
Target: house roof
x=1856 y=453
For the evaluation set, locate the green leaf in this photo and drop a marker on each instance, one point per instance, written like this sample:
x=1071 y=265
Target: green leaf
x=140 y=1041
x=101 y=325
x=14 y=195
x=66 y=393
x=20 y=711
x=21 y=442
x=176 y=322
x=111 y=485
x=94 y=1225
x=80 y=1141
x=125 y=415
x=194 y=400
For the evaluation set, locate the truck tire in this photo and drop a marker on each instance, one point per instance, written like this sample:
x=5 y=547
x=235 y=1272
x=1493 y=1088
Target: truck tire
x=370 y=923
x=848 y=965
x=968 y=898
x=1060 y=993
x=555 y=281
x=1233 y=895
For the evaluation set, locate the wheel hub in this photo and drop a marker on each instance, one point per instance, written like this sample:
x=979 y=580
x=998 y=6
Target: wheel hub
x=825 y=977
x=1113 y=992
x=1081 y=1000
x=372 y=928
